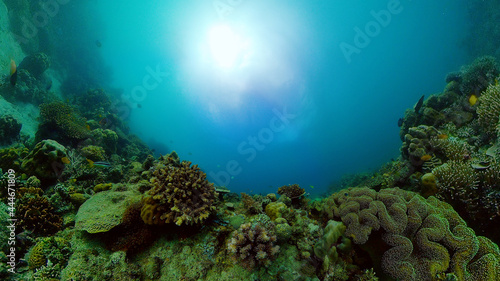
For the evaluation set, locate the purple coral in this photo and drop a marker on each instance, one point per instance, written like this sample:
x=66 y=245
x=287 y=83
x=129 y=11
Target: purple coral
x=253 y=245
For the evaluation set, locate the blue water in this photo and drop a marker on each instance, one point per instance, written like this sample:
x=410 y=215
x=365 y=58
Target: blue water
x=291 y=106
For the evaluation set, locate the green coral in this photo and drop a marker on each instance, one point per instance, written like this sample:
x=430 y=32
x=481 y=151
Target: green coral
x=10 y=158
x=104 y=210
x=106 y=139
x=45 y=160
x=94 y=153
x=423 y=237
x=54 y=250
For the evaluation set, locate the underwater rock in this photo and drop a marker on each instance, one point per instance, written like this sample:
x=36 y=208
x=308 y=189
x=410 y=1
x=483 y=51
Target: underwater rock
x=9 y=129
x=104 y=210
x=36 y=64
x=45 y=160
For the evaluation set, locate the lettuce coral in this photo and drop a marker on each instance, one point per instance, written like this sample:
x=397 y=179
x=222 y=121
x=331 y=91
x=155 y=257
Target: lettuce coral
x=180 y=194
x=423 y=238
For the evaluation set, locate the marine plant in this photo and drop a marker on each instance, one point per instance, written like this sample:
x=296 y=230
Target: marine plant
x=253 y=245
x=181 y=194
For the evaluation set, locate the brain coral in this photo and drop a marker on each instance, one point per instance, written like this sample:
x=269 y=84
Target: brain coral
x=424 y=238
x=180 y=194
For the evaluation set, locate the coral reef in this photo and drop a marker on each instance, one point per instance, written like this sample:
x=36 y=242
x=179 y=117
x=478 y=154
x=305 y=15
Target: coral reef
x=476 y=77
x=104 y=210
x=253 y=245
x=9 y=129
x=94 y=153
x=60 y=122
x=95 y=104
x=417 y=144
x=251 y=205
x=105 y=138
x=35 y=212
x=10 y=158
x=55 y=250
x=488 y=110
x=180 y=194
x=423 y=237
x=35 y=64
x=45 y=160
x=295 y=193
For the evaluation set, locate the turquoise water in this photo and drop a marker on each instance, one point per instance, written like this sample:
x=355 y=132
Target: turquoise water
x=287 y=56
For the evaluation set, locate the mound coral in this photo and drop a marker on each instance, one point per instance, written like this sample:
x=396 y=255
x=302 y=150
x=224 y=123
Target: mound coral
x=45 y=160
x=417 y=144
x=36 y=213
x=180 y=194
x=295 y=193
x=478 y=75
x=253 y=245
x=104 y=210
x=488 y=110
x=10 y=158
x=423 y=238
x=60 y=122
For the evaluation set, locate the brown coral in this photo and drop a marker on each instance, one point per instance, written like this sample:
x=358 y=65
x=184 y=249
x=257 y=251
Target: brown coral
x=36 y=214
x=253 y=245
x=423 y=237
x=417 y=144
x=180 y=194
x=60 y=122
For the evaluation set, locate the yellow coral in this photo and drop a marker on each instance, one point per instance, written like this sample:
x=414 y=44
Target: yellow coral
x=273 y=209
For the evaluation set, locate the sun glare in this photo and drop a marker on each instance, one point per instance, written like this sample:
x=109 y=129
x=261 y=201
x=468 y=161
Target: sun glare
x=225 y=45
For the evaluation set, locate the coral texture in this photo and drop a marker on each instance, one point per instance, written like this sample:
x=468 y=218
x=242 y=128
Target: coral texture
x=55 y=249
x=60 y=122
x=456 y=180
x=9 y=129
x=180 y=194
x=417 y=144
x=253 y=245
x=423 y=237
x=36 y=213
x=488 y=110
x=45 y=160
x=478 y=75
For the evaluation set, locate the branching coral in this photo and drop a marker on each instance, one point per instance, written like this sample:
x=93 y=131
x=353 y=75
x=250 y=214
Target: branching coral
x=180 y=194
x=424 y=237
x=488 y=110
x=253 y=245
x=36 y=213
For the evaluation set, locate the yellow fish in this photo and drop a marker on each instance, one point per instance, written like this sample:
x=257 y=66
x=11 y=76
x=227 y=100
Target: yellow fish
x=442 y=136
x=65 y=160
x=472 y=100
x=311 y=186
x=426 y=157
x=13 y=72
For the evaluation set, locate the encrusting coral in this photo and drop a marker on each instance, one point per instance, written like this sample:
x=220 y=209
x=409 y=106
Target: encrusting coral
x=253 y=245
x=180 y=194
x=424 y=238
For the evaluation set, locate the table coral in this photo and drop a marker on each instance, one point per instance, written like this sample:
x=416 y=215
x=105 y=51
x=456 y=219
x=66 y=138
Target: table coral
x=180 y=194
x=253 y=245
x=423 y=237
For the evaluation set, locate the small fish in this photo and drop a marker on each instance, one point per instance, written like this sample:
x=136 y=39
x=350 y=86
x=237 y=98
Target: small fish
x=13 y=72
x=400 y=122
x=99 y=164
x=98 y=43
x=496 y=82
x=442 y=136
x=311 y=186
x=426 y=157
x=65 y=160
x=139 y=105
x=72 y=180
x=88 y=127
x=419 y=104
x=472 y=100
